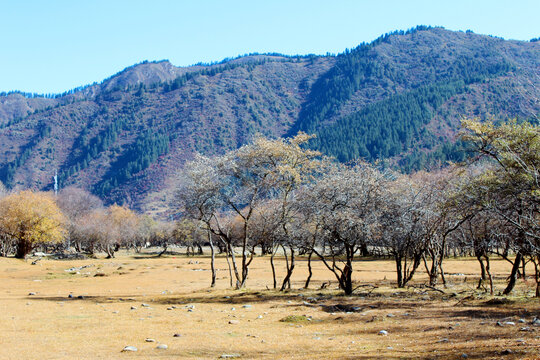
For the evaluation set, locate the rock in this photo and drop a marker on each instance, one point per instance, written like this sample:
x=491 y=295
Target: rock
x=316 y=338
x=526 y=328
x=162 y=347
x=233 y=309
x=383 y=333
x=535 y=322
x=70 y=296
x=246 y=306
x=190 y=310
x=390 y=315
x=507 y=352
x=31 y=293
x=390 y=348
x=177 y=335
x=234 y=322
x=229 y=356
x=133 y=308
x=149 y=340
x=511 y=323
x=129 y=348
x=464 y=356
x=80 y=297
x=498 y=323
x=145 y=305
x=443 y=340
x=259 y=317
x=521 y=321
x=169 y=308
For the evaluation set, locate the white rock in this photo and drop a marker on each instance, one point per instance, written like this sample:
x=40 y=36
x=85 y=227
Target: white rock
x=149 y=340
x=129 y=348
x=162 y=347
x=383 y=333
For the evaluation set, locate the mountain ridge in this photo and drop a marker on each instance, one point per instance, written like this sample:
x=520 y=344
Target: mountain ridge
x=125 y=138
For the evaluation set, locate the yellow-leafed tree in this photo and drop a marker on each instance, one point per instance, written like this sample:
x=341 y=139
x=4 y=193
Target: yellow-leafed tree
x=31 y=218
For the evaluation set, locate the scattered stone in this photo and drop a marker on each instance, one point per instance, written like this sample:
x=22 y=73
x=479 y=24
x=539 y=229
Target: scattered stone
x=145 y=305
x=498 y=323
x=233 y=309
x=226 y=297
x=149 y=340
x=234 y=322
x=80 y=297
x=521 y=321
x=246 y=306
x=169 y=308
x=229 y=356
x=129 y=348
x=520 y=341
x=177 y=335
x=316 y=338
x=116 y=312
x=511 y=323
x=162 y=347
x=383 y=333
x=443 y=340
x=507 y=352
x=31 y=294
x=390 y=315
x=390 y=348
x=133 y=308
x=190 y=310
x=70 y=296
x=526 y=328
x=535 y=322
x=259 y=317
x=464 y=356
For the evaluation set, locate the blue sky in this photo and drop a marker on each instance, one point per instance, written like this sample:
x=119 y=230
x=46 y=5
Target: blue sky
x=55 y=45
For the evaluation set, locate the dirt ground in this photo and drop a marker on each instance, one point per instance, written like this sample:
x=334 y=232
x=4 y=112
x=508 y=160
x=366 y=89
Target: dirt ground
x=105 y=313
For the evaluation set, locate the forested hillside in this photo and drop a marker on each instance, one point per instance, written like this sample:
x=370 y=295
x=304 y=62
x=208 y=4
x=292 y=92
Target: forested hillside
x=399 y=98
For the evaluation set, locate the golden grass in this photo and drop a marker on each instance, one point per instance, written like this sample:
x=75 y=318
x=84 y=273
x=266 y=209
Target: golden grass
x=426 y=324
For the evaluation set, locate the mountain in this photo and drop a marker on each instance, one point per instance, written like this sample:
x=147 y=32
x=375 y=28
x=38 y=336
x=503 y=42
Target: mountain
x=397 y=99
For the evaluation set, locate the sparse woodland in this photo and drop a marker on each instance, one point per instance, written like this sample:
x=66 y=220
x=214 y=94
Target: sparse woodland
x=278 y=198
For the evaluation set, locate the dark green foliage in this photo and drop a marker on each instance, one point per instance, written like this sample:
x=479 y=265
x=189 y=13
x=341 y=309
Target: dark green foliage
x=386 y=128
x=85 y=149
x=140 y=155
x=445 y=153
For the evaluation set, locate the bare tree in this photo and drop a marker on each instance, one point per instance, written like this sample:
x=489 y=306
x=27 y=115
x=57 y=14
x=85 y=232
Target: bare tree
x=342 y=209
x=76 y=204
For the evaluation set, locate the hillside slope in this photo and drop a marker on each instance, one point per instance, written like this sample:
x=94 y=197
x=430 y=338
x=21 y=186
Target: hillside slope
x=398 y=98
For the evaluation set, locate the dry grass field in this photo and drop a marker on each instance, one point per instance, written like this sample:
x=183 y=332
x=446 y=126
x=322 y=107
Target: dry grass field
x=322 y=324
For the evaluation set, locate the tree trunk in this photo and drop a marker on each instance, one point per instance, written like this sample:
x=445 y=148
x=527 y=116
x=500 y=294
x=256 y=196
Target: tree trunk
x=273 y=267
x=287 y=279
x=513 y=274
x=23 y=249
x=212 y=260
x=310 y=272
